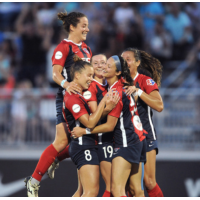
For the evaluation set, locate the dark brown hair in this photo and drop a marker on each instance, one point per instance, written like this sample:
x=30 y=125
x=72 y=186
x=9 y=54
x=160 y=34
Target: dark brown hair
x=125 y=72
x=78 y=66
x=72 y=18
x=98 y=55
x=149 y=65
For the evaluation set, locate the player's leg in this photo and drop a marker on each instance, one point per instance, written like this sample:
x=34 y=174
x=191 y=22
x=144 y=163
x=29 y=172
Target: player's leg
x=61 y=156
x=89 y=176
x=121 y=169
x=136 y=181
x=150 y=175
x=79 y=191
x=105 y=168
x=47 y=158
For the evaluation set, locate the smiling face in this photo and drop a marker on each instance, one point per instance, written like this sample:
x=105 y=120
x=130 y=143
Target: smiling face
x=130 y=59
x=98 y=63
x=110 y=69
x=81 y=30
x=85 y=77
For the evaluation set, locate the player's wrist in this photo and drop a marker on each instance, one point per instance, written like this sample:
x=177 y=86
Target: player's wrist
x=62 y=83
x=87 y=131
x=140 y=92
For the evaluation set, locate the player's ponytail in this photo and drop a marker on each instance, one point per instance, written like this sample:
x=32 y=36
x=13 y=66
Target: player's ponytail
x=78 y=66
x=72 y=18
x=122 y=66
x=149 y=65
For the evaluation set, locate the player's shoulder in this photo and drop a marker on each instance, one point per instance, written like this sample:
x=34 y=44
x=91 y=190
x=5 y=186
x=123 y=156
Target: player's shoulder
x=70 y=97
x=146 y=79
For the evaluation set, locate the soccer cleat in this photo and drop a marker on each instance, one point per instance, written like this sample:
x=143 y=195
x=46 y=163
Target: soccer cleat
x=32 y=190
x=51 y=170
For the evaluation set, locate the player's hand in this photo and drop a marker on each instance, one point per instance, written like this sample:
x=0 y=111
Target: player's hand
x=78 y=132
x=73 y=87
x=130 y=90
x=112 y=98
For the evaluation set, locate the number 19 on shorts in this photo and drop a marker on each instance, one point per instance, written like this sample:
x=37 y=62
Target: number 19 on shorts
x=109 y=149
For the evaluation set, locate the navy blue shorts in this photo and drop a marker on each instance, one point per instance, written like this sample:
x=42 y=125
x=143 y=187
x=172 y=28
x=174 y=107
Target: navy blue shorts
x=59 y=105
x=105 y=152
x=83 y=155
x=134 y=154
x=151 y=145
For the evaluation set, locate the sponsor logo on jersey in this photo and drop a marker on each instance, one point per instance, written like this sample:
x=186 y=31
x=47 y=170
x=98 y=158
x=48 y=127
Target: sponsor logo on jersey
x=150 y=82
x=76 y=108
x=87 y=95
x=86 y=51
x=58 y=55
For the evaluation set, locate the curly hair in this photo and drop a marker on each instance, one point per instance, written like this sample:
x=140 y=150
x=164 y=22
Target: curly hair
x=72 y=18
x=149 y=65
x=78 y=66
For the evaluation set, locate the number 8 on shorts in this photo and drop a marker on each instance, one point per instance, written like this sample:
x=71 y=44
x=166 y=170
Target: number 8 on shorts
x=88 y=156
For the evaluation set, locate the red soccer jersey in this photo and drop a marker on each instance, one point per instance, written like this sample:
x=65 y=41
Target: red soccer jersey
x=74 y=106
x=64 y=53
x=148 y=85
x=95 y=92
x=125 y=132
x=145 y=83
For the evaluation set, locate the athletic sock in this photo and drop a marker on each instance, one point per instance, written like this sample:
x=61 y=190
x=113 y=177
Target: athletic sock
x=129 y=194
x=45 y=161
x=107 y=194
x=63 y=154
x=34 y=181
x=155 y=192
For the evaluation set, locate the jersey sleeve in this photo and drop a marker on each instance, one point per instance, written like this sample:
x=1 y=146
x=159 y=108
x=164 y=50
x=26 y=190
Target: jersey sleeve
x=60 y=54
x=117 y=110
x=93 y=92
x=76 y=107
x=149 y=85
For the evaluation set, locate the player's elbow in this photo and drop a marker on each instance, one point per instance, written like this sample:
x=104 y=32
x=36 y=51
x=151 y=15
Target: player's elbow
x=110 y=128
x=54 y=76
x=160 y=107
x=90 y=126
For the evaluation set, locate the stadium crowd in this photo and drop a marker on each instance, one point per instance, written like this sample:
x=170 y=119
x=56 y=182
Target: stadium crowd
x=29 y=32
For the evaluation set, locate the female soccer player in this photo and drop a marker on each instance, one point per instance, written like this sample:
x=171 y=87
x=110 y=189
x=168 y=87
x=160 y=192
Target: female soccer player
x=76 y=25
x=129 y=141
x=149 y=98
x=77 y=113
x=96 y=91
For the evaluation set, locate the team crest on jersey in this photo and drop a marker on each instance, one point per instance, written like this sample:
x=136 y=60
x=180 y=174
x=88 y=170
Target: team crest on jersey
x=137 y=123
x=86 y=51
x=150 y=82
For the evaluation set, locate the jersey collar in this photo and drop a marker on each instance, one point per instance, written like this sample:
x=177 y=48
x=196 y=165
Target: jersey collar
x=136 y=76
x=113 y=85
x=100 y=83
x=73 y=42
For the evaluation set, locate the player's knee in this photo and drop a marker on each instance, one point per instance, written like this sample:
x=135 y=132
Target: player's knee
x=150 y=182
x=60 y=144
x=136 y=190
